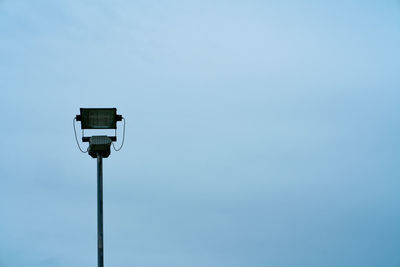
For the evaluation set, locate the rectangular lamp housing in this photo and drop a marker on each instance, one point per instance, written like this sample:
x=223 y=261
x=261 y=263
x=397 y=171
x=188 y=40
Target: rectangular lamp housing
x=98 y=118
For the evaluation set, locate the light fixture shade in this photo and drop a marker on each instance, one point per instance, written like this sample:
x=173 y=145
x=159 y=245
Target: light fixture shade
x=98 y=118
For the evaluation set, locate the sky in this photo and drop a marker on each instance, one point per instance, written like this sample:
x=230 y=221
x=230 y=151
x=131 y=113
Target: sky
x=258 y=133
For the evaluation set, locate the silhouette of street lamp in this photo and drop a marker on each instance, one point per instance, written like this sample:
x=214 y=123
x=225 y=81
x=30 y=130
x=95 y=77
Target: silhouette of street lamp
x=99 y=147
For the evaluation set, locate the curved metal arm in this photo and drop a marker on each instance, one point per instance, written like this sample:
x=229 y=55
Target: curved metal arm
x=123 y=138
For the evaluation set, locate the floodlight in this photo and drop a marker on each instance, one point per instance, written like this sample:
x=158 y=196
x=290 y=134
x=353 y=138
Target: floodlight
x=99 y=147
x=98 y=118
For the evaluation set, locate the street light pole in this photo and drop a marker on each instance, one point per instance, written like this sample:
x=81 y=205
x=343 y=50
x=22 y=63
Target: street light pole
x=100 y=247
x=99 y=147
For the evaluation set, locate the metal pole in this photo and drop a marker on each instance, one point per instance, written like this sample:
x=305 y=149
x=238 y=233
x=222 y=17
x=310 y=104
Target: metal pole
x=100 y=252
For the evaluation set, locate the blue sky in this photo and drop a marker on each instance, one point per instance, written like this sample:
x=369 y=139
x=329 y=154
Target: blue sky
x=259 y=133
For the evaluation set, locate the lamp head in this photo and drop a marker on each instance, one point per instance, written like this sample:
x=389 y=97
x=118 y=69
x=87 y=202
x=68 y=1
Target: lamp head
x=98 y=118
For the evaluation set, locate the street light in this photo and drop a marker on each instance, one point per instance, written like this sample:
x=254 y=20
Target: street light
x=99 y=147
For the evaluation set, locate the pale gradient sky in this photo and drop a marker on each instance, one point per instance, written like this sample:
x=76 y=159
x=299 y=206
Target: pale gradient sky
x=259 y=133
